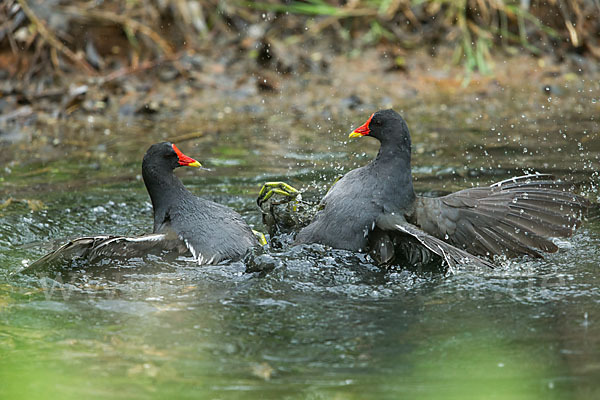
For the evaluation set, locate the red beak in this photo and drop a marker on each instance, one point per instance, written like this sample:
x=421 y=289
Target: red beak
x=184 y=160
x=363 y=129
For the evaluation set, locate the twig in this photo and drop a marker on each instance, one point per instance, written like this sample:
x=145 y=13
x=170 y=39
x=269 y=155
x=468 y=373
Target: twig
x=126 y=22
x=139 y=67
x=568 y=24
x=187 y=136
x=49 y=37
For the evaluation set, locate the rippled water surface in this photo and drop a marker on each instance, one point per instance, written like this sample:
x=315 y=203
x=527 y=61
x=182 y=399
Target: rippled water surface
x=323 y=324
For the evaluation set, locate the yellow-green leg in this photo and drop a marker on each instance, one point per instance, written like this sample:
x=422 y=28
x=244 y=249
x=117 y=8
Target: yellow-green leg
x=270 y=188
x=261 y=237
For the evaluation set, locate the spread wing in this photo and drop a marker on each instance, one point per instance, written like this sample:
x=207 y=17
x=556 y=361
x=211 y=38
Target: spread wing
x=513 y=217
x=93 y=248
x=451 y=255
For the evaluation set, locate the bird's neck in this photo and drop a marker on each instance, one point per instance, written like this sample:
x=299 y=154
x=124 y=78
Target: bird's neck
x=393 y=156
x=164 y=189
x=393 y=164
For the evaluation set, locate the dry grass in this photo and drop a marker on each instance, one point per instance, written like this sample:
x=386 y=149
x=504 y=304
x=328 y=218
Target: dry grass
x=65 y=35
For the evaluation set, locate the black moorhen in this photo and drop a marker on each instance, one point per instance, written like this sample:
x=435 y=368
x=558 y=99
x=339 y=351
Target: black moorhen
x=184 y=223
x=374 y=208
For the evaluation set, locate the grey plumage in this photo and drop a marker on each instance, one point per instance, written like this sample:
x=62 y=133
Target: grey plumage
x=94 y=248
x=183 y=222
x=351 y=207
x=374 y=208
x=211 y=231
x=512 y=217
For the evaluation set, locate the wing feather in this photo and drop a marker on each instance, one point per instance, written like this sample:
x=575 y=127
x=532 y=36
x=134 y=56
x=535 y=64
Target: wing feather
x=512 y=217
x=451 y=255
x=93 y=248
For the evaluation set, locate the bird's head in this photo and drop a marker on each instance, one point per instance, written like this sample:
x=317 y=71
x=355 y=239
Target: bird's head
x=387 y=126
x=166 y=154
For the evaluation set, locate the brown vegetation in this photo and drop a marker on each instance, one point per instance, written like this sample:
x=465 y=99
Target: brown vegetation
x=39 y=37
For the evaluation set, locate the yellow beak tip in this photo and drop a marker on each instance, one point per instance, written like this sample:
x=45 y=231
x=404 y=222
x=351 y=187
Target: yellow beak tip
x=355 y=134
x=195 y=164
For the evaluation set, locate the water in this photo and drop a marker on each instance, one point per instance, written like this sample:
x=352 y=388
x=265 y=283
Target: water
x=323 y=324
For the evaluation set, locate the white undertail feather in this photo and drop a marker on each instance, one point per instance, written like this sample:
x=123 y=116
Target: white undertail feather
x=198 y=258
x=190 y=248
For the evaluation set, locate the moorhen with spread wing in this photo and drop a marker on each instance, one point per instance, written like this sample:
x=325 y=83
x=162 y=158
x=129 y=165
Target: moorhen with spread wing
x=374 y=208
x=183 y=222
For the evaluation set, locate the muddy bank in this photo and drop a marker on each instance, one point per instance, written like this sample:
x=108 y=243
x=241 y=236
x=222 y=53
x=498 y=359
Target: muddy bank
x=196 y=96
x=71 y=74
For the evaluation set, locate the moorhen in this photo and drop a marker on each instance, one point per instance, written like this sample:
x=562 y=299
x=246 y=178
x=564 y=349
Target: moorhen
x=183 y=222
x=374 y=208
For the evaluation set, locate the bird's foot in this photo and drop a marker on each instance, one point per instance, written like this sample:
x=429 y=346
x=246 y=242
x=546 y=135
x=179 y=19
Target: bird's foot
x=261 y=237
x=286 y=193
x=283 y=209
